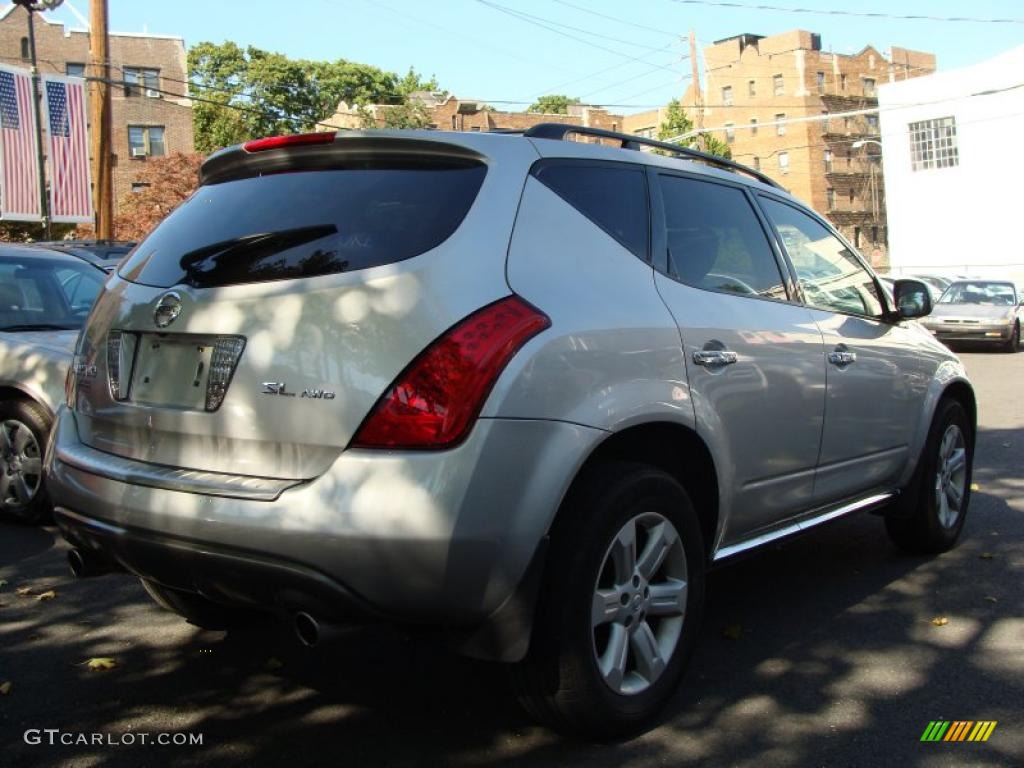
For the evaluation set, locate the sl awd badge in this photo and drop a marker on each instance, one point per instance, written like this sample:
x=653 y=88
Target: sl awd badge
x=281 y=389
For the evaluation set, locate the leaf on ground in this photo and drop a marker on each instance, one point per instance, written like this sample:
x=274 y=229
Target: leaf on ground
x=5 y=687
x=24 y=591
x=101 y=663
x=986 y=555
x=990 y=599
x=273 y=663
x=47 y=595
x=733 y=632
x=940 y=621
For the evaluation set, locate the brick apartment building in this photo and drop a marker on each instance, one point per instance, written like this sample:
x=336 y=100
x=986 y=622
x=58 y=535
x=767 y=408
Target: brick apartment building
x=151 y=117
x=449 y=113
x=758 y=95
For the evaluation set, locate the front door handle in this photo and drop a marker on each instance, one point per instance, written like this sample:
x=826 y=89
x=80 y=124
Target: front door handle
x=842 y=357
x=714 y=358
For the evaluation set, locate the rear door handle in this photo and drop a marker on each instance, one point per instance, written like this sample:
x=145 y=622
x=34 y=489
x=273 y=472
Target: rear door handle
x=842 y=357
x=713 y=358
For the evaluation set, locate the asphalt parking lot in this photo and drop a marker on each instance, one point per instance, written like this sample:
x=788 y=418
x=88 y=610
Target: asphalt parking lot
x=829 y=650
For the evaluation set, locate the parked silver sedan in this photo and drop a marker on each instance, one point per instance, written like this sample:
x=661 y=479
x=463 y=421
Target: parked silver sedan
x=978 y=311
x=44 y=300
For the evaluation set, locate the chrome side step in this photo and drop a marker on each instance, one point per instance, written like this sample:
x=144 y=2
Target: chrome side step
x=799 y=526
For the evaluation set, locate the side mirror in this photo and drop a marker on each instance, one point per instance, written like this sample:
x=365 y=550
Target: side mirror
x=912 y=299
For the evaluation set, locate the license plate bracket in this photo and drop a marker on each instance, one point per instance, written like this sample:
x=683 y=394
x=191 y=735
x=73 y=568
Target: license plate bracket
x=171 y=371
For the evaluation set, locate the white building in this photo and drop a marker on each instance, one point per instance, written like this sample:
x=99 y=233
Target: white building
x=953 y=169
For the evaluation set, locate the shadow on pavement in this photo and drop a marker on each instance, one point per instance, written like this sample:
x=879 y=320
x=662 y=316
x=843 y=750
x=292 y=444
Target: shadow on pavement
x=818 y=651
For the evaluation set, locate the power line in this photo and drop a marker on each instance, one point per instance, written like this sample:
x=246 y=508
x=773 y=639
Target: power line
x=560 y=86
x=451 y=32
x=837 y=12
x=540 y=19
x=277 y=114
x=852 y=113
x=629 y=80
x=617 y=19
x=855 y=139
x=538 y=22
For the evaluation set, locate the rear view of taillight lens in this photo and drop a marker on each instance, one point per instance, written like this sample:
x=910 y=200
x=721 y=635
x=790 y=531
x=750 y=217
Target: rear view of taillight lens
x=223 y=361
x=120 y=354
x=435 y=400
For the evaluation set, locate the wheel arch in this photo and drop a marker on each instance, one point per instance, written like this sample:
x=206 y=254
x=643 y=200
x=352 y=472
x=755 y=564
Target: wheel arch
x=963 y=393
x=673 y=448
x=17 y=391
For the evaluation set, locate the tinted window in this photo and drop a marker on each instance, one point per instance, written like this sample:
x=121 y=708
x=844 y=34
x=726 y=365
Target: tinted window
x=79 y=290
x=303 y=224
x=38 y=291
x=715 y=240
x=613 y=197
x=831 y=275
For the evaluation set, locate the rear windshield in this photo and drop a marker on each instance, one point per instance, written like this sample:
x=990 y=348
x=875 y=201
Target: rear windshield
x=302 y=224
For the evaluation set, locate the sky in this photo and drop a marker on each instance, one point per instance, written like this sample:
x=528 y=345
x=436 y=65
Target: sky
x=507 y=52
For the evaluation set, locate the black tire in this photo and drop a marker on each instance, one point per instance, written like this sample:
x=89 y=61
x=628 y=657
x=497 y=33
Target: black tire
x=1013 y=343
x=920 y=529
x=560 y=683
x=196 y=609
x=36 y=510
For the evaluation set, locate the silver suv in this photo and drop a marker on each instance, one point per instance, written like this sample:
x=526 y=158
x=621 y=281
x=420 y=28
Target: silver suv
x=519 y=388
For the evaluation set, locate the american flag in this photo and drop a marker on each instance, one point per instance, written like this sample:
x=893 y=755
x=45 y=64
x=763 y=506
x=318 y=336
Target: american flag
x=20 y=176
x=70 y=190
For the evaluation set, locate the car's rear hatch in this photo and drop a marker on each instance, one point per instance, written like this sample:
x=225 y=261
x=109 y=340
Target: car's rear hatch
x=255 y=328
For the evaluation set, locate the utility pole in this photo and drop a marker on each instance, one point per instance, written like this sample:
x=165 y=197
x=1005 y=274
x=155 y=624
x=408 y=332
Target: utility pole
x=698 y=97
x=99 y=116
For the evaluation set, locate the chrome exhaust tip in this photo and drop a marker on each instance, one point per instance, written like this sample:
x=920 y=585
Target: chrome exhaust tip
x=307 y=629
x=83 y=565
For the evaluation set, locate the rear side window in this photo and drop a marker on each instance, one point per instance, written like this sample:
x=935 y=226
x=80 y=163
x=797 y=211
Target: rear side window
x=715 y=240
x=303 y=224
x=614 y=197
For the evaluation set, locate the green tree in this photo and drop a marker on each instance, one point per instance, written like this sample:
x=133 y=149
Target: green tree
x=412 y=81
x=553 y=104
x=678 y=123
x=410 y=115
x=249 y=92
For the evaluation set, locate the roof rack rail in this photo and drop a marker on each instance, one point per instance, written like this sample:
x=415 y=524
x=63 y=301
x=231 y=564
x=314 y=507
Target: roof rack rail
x=558 y=132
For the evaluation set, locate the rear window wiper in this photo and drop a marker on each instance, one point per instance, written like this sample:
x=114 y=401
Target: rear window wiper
x=38 y=327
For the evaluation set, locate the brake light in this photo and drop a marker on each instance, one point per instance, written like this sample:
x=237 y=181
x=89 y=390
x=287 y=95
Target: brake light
x=120 y=357
x=296 y=139
x=435 y=400
x=223 y=361
x=114 y=358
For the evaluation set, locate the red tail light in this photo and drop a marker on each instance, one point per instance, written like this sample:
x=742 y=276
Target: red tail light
x=435 y=400
x=296 y=139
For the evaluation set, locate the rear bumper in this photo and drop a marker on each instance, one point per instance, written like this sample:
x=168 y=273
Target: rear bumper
x=223 y=574
x=442 y=538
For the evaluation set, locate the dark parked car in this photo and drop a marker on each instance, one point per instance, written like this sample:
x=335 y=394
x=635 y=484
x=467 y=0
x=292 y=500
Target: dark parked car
x=105 y=254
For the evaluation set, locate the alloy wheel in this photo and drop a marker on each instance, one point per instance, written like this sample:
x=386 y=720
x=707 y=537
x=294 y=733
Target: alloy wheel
x=21 y=466
x=639 y=603
x=951 y=476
